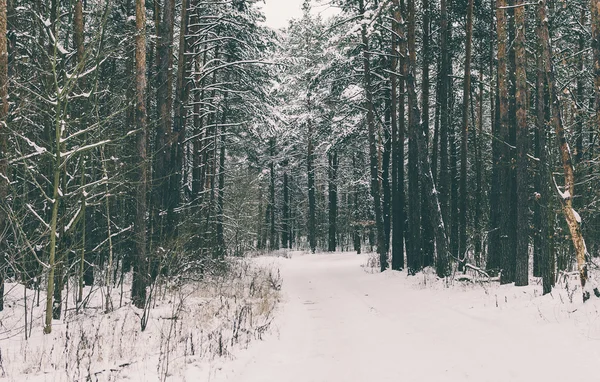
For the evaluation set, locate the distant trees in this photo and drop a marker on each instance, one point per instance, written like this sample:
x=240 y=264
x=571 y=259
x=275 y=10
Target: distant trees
x=492 y=210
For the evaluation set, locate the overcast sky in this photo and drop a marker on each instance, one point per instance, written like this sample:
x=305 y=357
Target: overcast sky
x=279 y=12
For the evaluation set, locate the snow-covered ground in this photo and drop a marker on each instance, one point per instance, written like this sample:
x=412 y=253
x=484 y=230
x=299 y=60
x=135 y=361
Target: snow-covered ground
x=341 y=322
x=190 y=327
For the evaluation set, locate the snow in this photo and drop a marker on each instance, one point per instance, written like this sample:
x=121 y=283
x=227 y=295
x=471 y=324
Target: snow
x=577 y=216
x=341 y=323
x=188 y=328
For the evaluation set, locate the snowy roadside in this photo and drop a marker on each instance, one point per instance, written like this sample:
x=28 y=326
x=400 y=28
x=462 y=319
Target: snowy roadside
x=478 y=296
x=189 y=328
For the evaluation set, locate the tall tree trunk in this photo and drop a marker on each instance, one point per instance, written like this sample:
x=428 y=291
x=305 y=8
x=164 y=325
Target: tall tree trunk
x=445 y=119
x=181 y=100
x=3 y=144
x=572 y=218
x=397 y=150
x=415 y=254
x=502 y=134
x=356 y=232
x=522 y=254
x=442 y=261
x=427 y=238
x=312 y=234
x=56 y=191
x=333 y=200
x=462 y=251
x=510 y=202
x=477 y=218
x=163 y=198
x=273 y=233
x=374 y=160
x=78 y=37
x=291 y=215
x=494 y=252
x=285 y=210
x=199 y=128
x=140 y=268
x=220 y=248
x=385 y=174
x=595 y=16
x=543 y=255
x=580 y=90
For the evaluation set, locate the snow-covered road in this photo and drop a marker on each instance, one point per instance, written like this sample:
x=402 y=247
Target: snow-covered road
x=340 y=323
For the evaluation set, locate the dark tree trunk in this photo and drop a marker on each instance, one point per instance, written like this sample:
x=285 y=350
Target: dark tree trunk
x=478 y=213
x=495 y=196
x=462 y=249
x=442 y=262
x=595 y=21
x=312 y=234
x=374 y=160
x=285 y=212
x=356 y=231
x=572 y=219
x=180 y=118
x=273 y=245
x=220 y=248
x=503 y=136
x=510 y=223
x=397 y=113
x=333 y=200
x=427 y=238
x=140 y=271
x=445 y=117
x=414 y=253
x=3 y=143
x=163 y=198
x=543 y=253
x=385 y=175
x=522 y=254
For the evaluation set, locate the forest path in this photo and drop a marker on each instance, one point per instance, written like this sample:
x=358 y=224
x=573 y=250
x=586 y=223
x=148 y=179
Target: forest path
x=340 y=323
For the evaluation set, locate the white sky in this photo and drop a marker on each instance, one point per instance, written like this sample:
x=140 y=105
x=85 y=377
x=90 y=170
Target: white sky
x=279 y=12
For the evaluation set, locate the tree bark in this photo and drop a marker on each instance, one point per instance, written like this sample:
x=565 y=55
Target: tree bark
x=273 y=233
x=427 y=236
x=333 y=201
x=3 y=144
x=397 y=113
x=543 y=255
x=415 y=254
x=442 y=262
x=163 y=166
x=374 y=160
x=181 y=101
x=595 y=21
x=285 y=210
x=445 y=118
x=478 y=215
x=312 y=234
x=140 y=268
x=502 y=135
x=462 y=251
x=572 y=218
x=385 y=173
x=522 y=254
x=356 y=232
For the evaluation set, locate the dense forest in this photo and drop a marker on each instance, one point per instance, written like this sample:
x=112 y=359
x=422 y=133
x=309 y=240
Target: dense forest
x=159 y=137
